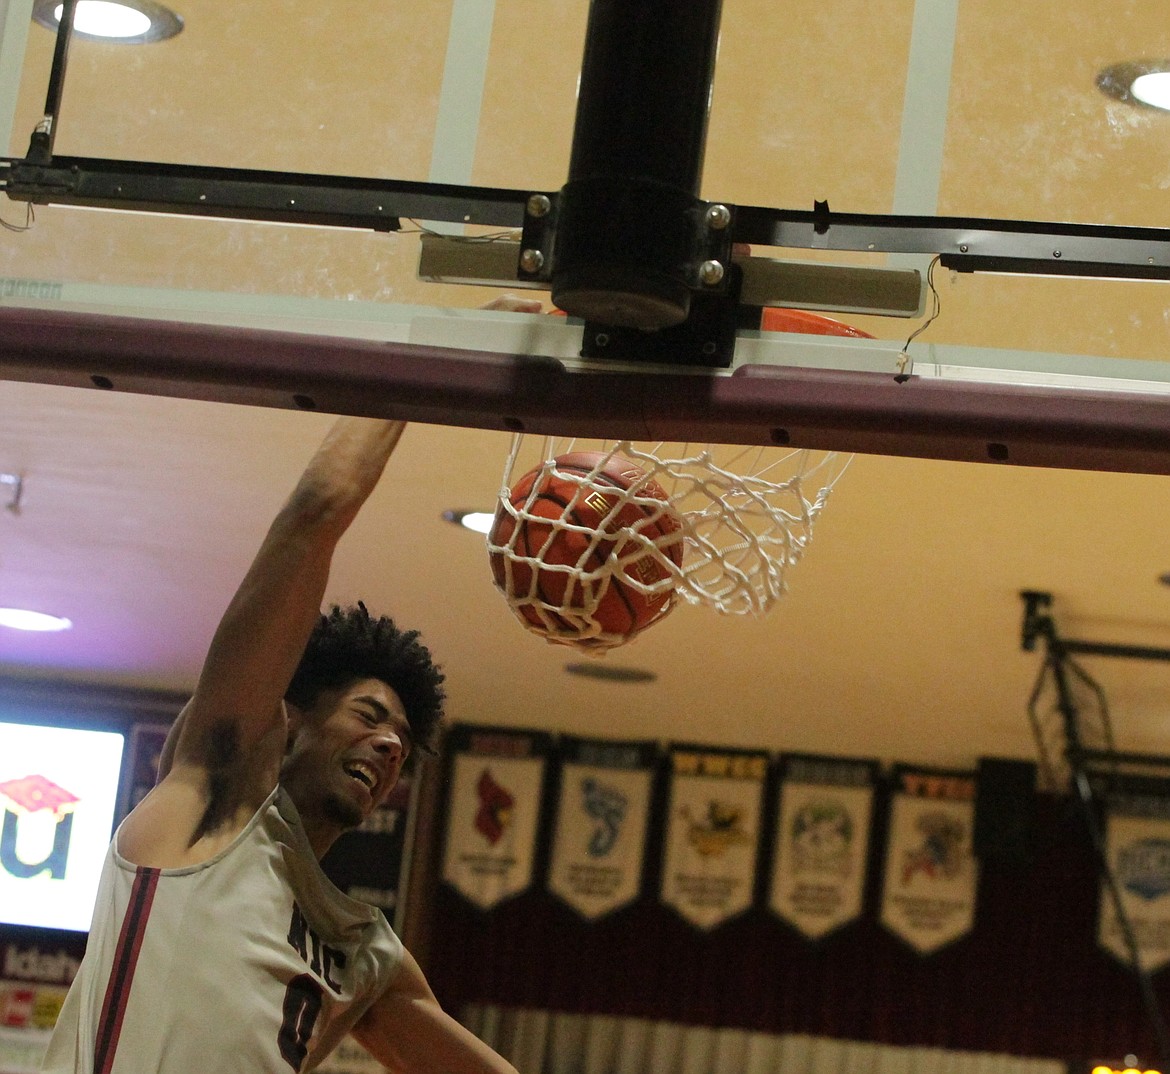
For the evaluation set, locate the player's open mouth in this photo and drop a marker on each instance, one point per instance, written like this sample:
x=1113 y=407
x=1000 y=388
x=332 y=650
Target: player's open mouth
x=363 y=773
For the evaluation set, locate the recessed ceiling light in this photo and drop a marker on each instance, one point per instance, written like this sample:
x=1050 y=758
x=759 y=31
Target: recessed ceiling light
x=1145 y=83
x=1153 y=89
x=476 y=521
x=128 y=22
x=23 y=619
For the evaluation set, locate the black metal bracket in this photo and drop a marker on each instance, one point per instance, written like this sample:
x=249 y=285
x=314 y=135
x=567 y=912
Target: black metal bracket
x=1039 y=623
x=706 y=338
x=1036 y=620
x=243 y=194
x=711 y=226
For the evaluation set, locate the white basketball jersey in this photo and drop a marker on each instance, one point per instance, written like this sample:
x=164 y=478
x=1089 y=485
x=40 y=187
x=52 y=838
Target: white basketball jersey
x=252 y=961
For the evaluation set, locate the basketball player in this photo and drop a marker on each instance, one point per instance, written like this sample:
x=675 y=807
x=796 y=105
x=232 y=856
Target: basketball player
x=217 y=943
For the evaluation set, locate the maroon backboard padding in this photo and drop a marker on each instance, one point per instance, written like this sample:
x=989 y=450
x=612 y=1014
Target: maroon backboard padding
x=846 y=411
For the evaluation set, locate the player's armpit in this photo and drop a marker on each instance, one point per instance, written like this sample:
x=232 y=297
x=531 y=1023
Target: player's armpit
x=407 y=1031
x=195 y=811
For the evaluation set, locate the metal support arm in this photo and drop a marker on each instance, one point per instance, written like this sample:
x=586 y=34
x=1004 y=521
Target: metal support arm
x=1038 y=624
x=964 y=243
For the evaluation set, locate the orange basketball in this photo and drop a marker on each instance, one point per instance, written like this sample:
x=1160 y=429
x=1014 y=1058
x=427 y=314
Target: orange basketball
x=578 y=552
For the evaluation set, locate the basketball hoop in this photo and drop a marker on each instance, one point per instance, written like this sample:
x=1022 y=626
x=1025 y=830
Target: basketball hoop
x=745 y=517
x=747 y=513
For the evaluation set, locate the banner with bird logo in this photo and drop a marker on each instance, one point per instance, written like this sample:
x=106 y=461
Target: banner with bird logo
x=714 y=813
x=495 y=798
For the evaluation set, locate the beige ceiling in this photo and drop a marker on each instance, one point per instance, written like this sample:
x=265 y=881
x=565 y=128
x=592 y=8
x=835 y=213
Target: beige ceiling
x=900 y=637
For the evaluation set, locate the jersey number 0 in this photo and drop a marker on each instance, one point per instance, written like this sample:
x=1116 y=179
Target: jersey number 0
x=302 y=1005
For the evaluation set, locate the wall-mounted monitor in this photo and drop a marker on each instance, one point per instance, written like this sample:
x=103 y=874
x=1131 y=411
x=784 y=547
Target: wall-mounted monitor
x=58 y=802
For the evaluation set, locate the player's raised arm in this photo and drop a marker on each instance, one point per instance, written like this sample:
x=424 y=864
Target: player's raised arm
x=224 y=755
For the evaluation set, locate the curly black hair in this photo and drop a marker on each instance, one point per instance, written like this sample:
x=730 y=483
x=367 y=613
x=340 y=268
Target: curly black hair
x=349 y=644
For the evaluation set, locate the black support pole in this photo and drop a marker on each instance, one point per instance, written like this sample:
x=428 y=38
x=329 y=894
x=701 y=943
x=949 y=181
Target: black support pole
x=628 y=216
x=41 y=145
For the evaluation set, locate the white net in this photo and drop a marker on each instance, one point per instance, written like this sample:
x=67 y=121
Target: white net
x=713 y=525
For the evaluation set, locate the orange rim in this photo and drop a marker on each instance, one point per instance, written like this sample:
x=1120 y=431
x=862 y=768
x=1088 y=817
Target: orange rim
x=776 y=319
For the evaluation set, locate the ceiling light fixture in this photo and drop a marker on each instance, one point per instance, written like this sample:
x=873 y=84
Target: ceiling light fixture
x=476 y=521
x=127 y=22
x=1144 y=83
x=23 y=619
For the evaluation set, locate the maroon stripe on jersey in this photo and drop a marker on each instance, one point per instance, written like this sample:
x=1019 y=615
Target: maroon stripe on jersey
x=122 y=971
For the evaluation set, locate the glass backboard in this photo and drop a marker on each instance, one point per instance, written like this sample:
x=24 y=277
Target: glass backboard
x=924 y=109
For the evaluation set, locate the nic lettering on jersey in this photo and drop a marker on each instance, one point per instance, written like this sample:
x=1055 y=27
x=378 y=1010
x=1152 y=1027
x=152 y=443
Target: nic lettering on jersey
x=321 y=958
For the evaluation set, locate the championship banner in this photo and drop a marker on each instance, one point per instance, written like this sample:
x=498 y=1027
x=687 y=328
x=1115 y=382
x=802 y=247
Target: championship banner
x=603 y=810
x=496 y=786
x=822 y=842
x=712 y=832
x=931 y=875
x=1137 y=847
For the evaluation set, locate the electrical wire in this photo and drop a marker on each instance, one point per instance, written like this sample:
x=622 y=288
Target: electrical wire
x=30 y=218
x=905 y=362
x=511 y=234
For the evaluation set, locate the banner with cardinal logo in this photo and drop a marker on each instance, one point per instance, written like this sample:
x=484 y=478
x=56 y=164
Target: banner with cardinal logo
x=713 y=832
x=931 y=874
x=493 y=812
x=602 y=817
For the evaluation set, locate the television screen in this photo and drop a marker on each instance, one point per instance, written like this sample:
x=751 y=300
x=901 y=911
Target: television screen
x=58 y=796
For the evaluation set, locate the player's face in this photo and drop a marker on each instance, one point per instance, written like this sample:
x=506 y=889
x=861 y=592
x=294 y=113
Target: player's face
x=347 y=752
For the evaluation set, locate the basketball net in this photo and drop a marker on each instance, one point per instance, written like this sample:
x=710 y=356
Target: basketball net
x=747 y=517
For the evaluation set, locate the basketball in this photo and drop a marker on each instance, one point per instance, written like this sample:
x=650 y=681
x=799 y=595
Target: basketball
x=575 y=559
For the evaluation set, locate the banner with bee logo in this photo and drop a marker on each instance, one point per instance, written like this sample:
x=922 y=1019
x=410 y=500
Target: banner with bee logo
x=493 y=811
x=931 y=875
x=1137 y=847
x=822 y=841
x=712 y=832
x=602 y=814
